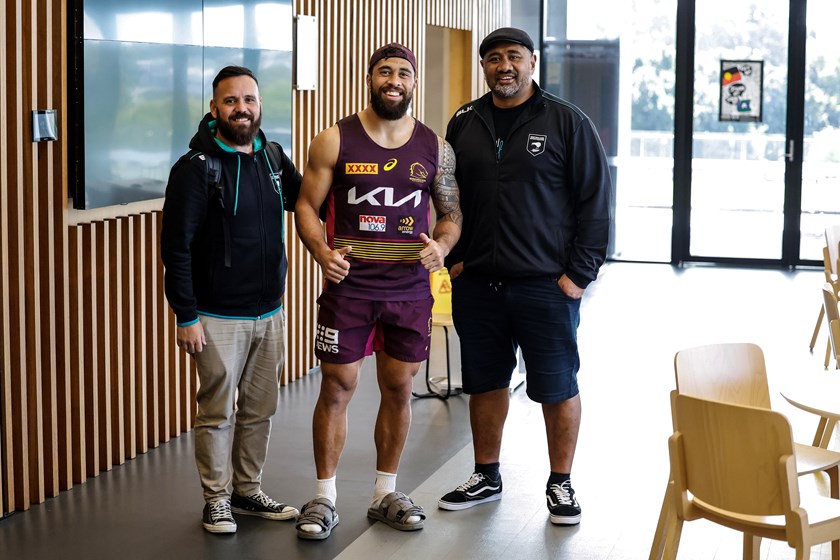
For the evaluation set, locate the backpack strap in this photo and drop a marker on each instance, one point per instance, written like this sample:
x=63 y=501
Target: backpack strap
x=214 y=185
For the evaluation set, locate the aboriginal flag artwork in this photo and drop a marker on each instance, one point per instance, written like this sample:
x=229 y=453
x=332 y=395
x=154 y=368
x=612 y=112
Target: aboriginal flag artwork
x=741 y=85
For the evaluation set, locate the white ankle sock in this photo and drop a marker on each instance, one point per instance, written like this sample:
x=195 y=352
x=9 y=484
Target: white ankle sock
x=325 y=489
x=384 y=485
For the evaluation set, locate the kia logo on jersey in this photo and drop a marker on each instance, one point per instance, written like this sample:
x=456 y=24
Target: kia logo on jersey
x=387 y=197
x=536 y=144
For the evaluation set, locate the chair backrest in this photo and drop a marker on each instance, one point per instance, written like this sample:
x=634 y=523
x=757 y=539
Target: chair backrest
x=831 y=311
x=731 y=457
x=832 y=243
x=731 y=372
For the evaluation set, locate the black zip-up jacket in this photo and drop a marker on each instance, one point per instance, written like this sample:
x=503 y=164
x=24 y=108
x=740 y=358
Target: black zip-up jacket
x=540 y=205
x=246 y=201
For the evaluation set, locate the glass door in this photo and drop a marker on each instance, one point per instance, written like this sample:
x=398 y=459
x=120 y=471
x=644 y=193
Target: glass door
x=820 y=206
x=739 y=130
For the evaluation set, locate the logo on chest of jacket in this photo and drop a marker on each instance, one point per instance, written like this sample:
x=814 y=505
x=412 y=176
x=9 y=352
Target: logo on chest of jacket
x=276 y=180
x=536 y=144
x=417 y=173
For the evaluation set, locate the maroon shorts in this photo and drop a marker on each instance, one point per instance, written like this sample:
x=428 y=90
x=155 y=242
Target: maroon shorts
x=350 y=329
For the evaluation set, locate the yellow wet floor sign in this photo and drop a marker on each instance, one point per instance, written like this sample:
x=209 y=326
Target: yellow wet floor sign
x=442 y=291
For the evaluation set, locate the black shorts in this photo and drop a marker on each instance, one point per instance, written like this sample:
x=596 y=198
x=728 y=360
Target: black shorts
x=495 y=318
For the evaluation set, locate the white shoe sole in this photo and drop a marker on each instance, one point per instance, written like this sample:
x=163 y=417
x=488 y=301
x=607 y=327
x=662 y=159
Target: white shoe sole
x=457 y=506
x=219 y=529
x=564 y=519
x=291 y=514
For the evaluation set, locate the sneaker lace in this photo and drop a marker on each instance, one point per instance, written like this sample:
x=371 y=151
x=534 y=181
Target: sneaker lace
x=220 y=510
x=266 y=501
x=474 y=480
x=563 y=492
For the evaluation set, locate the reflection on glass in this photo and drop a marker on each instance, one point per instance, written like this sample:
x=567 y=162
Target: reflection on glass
x=821 y=157
x=616 y=62
x=147 y=84
x=143 y=22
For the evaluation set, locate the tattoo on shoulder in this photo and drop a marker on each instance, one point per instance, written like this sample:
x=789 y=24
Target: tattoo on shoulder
x=445 y=195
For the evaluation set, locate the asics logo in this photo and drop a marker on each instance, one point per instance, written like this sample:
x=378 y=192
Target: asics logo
x=480 y=490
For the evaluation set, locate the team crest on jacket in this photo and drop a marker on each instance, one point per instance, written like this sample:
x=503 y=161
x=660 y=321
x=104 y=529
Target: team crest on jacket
x=536 y=144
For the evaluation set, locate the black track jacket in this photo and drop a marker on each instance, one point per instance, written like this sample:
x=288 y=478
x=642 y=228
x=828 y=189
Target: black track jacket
x=192 y=243
x=540 y=205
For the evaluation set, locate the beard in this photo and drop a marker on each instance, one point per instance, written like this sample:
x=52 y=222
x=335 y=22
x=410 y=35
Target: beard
x=239 y=134
x=506 y=91
x=389 y=111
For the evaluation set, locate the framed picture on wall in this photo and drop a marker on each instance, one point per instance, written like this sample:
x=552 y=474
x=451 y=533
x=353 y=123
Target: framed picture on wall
x=741 y=88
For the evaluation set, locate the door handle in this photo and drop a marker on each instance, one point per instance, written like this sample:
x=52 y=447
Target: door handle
x=789 y=153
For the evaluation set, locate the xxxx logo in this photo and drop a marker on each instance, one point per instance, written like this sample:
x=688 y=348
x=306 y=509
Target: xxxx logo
x=361 y=168
x=390 y=164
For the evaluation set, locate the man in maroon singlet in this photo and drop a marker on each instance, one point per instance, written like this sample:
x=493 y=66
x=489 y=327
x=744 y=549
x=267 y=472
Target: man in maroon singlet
x=375 y=172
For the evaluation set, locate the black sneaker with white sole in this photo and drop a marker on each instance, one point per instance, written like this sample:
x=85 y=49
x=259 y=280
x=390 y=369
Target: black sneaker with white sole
x=479 y=489
x=563 y=507
x=261 y=505
x=217 y=517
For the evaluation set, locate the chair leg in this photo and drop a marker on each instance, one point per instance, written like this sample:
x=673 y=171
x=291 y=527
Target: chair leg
x=829 y=430
x=817 y=328
x=672 y=537
x=827 y=352
x=834 y=482
x=752 y=547
x=658 y=545
x=818 y=435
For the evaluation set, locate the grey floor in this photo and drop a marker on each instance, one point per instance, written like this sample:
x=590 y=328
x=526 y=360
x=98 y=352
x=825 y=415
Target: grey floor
x=633 y=320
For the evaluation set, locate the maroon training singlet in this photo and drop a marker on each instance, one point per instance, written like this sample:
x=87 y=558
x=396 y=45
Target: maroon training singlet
x=379 y=205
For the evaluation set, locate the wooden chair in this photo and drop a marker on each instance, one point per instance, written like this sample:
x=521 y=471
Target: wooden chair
x=735 y=466
x=825 y=428
x=831 y=267
x=736 y=373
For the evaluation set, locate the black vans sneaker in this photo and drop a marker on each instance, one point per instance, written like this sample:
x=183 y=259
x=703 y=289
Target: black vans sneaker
x=261 y=505
x=217 y=517
x=562 y=504
x=477 y=490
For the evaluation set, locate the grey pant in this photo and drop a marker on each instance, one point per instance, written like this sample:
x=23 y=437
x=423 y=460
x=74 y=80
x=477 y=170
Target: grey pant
x=231 y=432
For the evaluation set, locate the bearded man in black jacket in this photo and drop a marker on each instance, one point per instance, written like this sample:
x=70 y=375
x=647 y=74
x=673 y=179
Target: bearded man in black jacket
x=222 y=246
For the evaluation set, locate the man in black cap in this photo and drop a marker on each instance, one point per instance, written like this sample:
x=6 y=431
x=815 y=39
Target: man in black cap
x=535 y=191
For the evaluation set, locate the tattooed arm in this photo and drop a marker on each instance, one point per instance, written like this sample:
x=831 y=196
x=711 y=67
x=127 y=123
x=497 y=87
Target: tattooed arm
x=446 y=200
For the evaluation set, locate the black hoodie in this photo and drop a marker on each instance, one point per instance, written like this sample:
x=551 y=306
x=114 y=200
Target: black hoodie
x=249 y=204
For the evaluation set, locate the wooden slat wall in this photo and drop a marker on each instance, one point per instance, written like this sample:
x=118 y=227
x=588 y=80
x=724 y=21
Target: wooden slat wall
x=90 y=374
